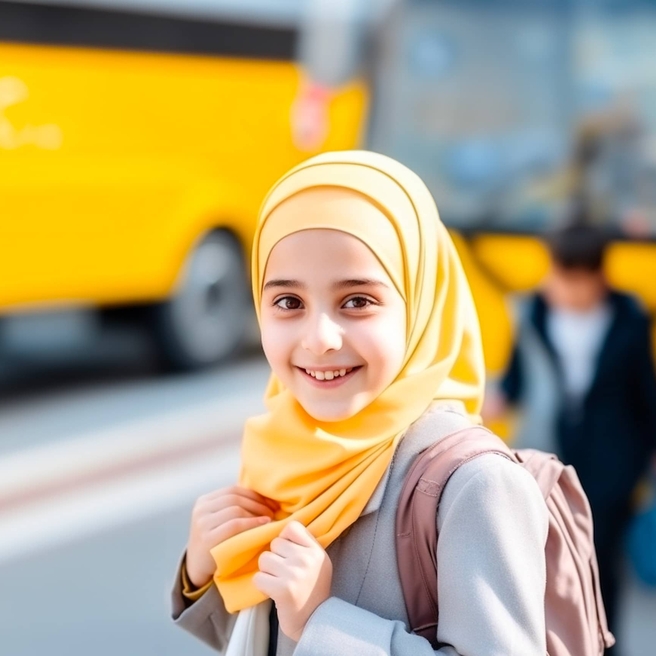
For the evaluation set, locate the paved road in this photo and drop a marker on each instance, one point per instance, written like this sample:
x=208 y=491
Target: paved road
x=97 y=478
x=106 y=595
x=101 y=458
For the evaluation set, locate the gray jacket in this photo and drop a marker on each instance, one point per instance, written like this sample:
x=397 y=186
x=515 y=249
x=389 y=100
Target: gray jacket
x=492 y=524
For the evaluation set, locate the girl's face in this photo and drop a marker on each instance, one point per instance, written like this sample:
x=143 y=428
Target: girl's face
x=333 y=324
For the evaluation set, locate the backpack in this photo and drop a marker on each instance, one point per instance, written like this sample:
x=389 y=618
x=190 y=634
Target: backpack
x=574 y=612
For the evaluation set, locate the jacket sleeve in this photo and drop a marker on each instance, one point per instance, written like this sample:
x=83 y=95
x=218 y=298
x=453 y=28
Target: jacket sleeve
x=645 y=376
x=493 y=526
x=512 y=382
x=206 y=618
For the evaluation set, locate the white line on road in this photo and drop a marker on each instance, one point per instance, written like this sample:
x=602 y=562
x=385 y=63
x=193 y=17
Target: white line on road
x=80 y=513
x=60 y=492
x=88 y=456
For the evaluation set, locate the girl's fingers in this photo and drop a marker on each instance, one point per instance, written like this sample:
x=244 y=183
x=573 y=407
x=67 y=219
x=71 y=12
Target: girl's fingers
x=231 y=512
x=242 y=492
x=283 y=547
x=297 y=533
x=270 y=563
x=235 y=526
x=234 y=500
x=266 y=583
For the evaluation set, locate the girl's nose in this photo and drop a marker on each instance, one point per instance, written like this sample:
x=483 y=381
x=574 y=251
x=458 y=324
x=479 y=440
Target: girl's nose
x=322 y=334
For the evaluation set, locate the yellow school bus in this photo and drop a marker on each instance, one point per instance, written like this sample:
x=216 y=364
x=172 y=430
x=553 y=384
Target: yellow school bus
x=138 y=137
x=137 y=140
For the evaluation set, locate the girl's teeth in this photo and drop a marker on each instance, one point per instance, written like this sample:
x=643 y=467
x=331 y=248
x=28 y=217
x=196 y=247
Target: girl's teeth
x=327 y=375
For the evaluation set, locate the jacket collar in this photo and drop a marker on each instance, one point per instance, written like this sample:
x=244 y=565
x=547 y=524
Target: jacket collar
x=417 y=438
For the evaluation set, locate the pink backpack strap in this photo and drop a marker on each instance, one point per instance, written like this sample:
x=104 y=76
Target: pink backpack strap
x=416 y=519
x=545 y=468
x=571 y=555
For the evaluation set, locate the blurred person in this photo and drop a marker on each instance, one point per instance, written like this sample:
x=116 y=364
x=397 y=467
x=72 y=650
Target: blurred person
x=598 y=343
x=370 y=329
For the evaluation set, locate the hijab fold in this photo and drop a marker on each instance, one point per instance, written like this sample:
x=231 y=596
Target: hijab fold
x=323 y=473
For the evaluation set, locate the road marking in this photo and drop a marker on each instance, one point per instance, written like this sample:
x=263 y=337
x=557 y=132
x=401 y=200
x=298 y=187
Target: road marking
x=25 y=531
x=49 y=469
x=60 y=492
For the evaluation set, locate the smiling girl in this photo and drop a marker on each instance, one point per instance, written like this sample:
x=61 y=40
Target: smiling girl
x=369 y=327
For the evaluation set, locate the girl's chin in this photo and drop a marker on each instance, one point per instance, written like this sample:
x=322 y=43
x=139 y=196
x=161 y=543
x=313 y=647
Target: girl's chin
x=329 y=413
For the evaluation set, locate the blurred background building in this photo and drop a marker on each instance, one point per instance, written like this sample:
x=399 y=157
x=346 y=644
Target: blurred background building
x=137 y=140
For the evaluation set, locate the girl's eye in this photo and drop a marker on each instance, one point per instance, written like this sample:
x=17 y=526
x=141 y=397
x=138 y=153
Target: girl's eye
x=358 y=303
x=288 y=303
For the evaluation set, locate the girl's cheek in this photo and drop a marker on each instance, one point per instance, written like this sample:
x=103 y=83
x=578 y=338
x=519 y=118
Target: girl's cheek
x=389 y=342
x=386 y=333
x=275 y=342
x=267 y=337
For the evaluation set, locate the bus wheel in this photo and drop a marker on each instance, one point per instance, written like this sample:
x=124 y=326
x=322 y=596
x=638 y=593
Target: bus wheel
x=207 y=319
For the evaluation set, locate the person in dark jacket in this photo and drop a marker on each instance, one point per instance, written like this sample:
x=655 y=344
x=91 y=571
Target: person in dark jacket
x=598 y=342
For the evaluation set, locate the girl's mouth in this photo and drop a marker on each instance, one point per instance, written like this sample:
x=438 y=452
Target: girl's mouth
x=329 y=379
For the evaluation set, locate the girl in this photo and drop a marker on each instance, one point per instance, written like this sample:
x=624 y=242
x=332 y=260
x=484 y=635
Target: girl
x=369 y=327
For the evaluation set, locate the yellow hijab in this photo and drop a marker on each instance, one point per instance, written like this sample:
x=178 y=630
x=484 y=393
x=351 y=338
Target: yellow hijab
x=323 y=474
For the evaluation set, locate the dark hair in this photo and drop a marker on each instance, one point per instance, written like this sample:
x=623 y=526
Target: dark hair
x=578 y=246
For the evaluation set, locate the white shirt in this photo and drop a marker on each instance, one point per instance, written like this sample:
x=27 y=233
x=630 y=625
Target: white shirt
x=577 y=338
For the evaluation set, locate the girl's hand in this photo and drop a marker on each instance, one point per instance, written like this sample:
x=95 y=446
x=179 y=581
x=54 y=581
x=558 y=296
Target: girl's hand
x=297 y=575
x=216 y=517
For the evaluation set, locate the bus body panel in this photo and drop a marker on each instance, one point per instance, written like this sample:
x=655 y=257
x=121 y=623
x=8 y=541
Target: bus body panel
x=112 y=164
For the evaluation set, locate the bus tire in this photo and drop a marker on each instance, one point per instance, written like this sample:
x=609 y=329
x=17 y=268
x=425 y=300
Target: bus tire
x=206 y=321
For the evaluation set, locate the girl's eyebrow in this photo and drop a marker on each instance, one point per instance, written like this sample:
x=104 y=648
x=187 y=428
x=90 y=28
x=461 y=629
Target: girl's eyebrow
x=340 y=284
x=359 y=282
x=283 y=283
